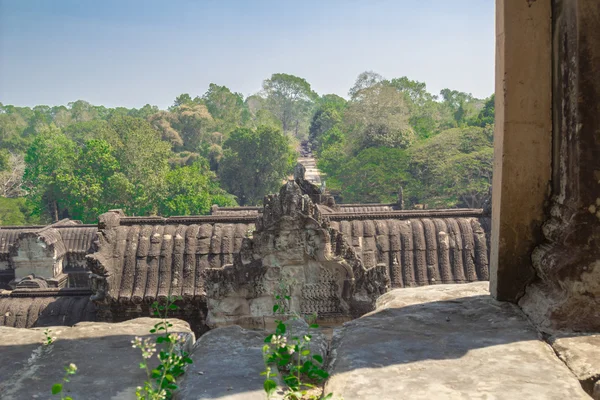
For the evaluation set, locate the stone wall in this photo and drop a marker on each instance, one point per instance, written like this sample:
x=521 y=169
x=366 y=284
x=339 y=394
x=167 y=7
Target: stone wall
x=566 y=292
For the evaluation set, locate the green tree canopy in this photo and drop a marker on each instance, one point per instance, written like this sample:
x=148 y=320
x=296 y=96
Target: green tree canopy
x=192 y=190
x=379 y=116
x=255 y=162
x=290 y=99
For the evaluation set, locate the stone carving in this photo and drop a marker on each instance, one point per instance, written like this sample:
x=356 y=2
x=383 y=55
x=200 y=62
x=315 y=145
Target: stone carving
x=293 y=243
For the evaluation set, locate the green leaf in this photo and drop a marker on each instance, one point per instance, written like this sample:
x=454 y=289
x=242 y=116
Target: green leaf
x=152 y=330
x=280 y=329
x=319 y=358
x=314 y=326
x=57 y=388
x=270 y=386
x=275 y=308
x=328 y=397
x=305 y=352
x=173 y=307
x=268 y=338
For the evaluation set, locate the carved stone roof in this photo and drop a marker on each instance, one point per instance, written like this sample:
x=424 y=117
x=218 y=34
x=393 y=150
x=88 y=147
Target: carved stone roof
x=421 y=251
x=148 y=257
x=70 y=238
x=147 y=260
x=29 y=312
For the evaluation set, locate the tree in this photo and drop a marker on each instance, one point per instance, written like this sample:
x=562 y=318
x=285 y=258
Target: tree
x=328 y=116
x=82 y=111
x=82 y=132
x=49 y=159
x=452 y=169
x=425 y=115
x=12 y=168
x=16 y=211
x=12 y=132
x=182 y=99
x=192 y=190
x=364 y=81
x=487 y=114
x=255 y=161
x=227 y=108
x=378 y=116
x=373 y=176
x=84 y=188
x=290 y=99
x=143 y=160
x=186 y=127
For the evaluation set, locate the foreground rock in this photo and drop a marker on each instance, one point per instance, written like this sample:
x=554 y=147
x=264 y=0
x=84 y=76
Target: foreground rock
x=446 y=342
x=228 y=362
x=107 y=365
x=581 y=353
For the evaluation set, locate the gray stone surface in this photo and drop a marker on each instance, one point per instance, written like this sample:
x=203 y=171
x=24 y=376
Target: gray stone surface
x=581 y=353
x=228 y=362
x=446 y=342
x=107 y=365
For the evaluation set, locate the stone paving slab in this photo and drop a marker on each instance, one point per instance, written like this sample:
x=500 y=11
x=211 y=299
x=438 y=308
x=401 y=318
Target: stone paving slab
x=581 y=353
x=107 y=365
x=446 y=342
x=228 y=362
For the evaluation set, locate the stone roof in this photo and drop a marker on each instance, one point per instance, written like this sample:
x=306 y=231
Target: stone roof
x=151 y=257
x=71 y=238
x=421 y=251
x=45 y=310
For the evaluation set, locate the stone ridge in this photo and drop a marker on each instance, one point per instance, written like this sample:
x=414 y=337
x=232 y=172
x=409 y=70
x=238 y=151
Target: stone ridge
x=38 y=311
x=421 y=251
x=150 y=261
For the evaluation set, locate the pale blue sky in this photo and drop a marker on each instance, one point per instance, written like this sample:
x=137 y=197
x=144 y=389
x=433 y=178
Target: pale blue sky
x=129 y=53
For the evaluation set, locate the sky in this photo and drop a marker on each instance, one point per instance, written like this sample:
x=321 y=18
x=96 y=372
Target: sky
x=129 y=53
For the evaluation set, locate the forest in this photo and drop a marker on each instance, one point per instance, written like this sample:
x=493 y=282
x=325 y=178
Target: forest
x=80 y=160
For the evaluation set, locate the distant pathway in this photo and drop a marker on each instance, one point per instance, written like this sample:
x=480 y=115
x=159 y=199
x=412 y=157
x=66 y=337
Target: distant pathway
x=306 y=158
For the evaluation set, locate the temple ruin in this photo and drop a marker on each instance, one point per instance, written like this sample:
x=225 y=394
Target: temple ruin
x=532 y=335
x=338 y=258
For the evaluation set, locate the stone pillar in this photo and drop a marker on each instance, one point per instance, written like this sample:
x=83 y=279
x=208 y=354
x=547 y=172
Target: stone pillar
x=522 y=141
x=566 y=294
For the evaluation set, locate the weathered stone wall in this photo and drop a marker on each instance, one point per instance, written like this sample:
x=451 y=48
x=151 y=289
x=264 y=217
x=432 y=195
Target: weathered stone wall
x=566 y=293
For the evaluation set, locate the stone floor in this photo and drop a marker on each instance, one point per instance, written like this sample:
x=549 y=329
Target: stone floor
x=435 y=342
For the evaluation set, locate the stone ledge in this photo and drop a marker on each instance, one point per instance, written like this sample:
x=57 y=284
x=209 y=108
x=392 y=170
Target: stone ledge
x=446 y=342
x=581 y=353
x=107 y=365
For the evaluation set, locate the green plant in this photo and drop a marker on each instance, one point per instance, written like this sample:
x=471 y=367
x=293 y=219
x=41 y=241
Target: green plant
x=48 y=339
x=290 y=356
x=58 y=388
x=162 y=380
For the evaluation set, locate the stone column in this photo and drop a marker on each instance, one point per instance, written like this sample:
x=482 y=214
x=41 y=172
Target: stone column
x=522 y=141
x=566 y=294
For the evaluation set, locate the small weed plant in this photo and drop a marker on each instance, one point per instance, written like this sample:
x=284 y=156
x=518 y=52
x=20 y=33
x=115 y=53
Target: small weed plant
x=162 y=380
x=48 y=338
x=289 y=356
x=58 y=388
